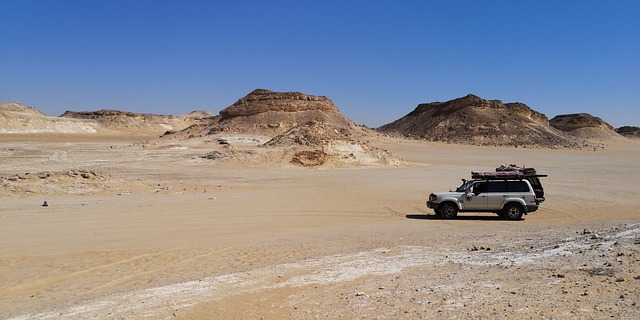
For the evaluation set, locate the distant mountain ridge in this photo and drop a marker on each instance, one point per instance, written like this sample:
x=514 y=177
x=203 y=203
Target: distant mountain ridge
x=20 y=119
x=466 y=120
x=124 y=120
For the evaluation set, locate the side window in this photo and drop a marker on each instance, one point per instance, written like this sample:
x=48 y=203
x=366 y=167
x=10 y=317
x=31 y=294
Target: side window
x=517 y=186
x=495 y=186
x=480 y=187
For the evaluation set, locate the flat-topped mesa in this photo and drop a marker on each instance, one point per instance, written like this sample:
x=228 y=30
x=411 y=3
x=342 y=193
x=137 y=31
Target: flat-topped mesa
x=261 y=100
x=267 y=113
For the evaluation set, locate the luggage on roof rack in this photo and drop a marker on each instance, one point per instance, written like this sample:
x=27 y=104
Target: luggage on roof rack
x=529 y=172
x=498 y=175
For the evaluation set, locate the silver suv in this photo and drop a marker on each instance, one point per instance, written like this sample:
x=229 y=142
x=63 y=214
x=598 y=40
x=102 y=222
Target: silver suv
x=508 y=193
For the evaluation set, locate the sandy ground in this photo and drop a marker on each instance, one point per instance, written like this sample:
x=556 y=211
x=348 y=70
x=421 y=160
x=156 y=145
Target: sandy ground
x=151 y=230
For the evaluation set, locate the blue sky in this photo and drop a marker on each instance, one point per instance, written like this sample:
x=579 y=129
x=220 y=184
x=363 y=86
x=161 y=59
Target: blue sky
x=377 y=60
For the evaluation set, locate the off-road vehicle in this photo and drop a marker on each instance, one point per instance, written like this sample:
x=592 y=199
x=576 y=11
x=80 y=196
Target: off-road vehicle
x=509 y=192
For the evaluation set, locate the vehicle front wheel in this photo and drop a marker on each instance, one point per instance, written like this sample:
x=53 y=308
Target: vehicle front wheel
x=448 y=211
x=437 y=212
x=512 y=211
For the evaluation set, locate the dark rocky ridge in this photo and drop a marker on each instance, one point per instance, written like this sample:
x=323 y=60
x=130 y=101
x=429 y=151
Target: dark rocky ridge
x=569 y=122
x=476 y=121
x=629 y=132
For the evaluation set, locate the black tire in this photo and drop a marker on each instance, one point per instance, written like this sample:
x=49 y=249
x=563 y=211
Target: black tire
x=437 y=212
x=512 y=211
x=448 y=211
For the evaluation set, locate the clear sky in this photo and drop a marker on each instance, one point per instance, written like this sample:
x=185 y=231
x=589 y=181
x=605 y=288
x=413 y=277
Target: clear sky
x=377 y=60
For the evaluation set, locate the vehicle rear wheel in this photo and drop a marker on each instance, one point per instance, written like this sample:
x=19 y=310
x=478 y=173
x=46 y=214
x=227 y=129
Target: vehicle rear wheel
x=448 y=211
x=512 y=211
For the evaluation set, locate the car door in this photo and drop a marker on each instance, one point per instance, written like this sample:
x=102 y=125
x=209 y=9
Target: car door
x=496 y=194
x=476 y=197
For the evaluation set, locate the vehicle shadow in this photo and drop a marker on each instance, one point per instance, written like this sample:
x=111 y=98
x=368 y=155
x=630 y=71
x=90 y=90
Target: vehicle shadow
x=465 y=218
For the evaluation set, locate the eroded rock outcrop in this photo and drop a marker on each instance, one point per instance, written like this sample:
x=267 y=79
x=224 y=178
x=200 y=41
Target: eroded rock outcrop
x=631 y=132
x=477 y=121
x=268 y=113
x=584 y=126
x=289 y=128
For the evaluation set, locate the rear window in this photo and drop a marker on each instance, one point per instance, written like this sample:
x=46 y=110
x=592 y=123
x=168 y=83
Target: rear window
x=517 y=186
x=535 y=182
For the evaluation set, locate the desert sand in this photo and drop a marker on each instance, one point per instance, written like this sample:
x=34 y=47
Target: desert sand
x=144 y=228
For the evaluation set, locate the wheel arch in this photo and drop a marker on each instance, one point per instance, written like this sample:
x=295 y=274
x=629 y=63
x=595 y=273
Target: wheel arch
x=517 y=201
x=455 y=203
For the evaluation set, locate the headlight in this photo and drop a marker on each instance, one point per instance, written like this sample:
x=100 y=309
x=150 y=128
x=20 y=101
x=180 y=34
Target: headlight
x=433 y=197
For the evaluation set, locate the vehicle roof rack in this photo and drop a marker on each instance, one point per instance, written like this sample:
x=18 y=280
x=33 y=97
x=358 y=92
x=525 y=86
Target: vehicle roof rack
x=498 y=175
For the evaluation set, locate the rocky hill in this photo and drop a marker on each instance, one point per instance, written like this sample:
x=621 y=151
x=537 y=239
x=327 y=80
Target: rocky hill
x=476 y=121
x=287 y=127
x=584 y=126
x=268 y=113
x=630 y=132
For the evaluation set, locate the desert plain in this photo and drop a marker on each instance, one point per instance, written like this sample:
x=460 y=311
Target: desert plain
x=141 y=228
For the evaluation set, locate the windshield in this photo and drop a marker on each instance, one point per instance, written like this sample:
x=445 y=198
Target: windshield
x=464 y=186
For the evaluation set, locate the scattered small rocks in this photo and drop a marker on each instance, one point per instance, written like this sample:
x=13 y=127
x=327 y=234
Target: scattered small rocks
x=474 y=248
x=602 y=272
x=72 y=181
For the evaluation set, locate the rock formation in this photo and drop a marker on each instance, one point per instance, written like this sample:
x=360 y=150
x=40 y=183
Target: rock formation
x=584 y=126
x=289 y=127
x=630 y=132
x=476 y=121
x=268 y=113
